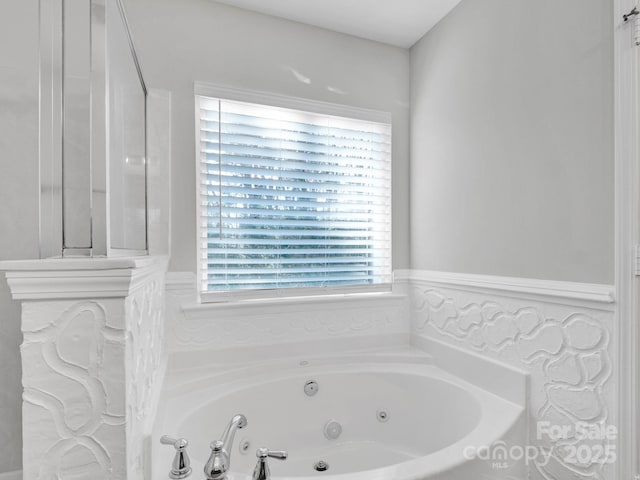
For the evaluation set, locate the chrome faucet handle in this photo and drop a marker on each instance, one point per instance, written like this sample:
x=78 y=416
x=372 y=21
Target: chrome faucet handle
x=265 y=452
x=218 y=463
x=261 y=471
x=181 y=465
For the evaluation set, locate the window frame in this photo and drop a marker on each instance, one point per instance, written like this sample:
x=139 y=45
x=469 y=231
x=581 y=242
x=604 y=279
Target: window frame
x=202 y=89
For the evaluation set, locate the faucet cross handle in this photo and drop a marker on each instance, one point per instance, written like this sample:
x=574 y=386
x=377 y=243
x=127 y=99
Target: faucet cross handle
x=261 y=471
x=181 y=465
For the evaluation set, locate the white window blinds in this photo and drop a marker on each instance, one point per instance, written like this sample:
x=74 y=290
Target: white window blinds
x=291 y=199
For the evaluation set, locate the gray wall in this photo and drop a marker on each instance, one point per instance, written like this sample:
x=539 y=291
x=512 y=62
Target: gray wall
x=200 y=40
x=18 y=199
x=512 y=141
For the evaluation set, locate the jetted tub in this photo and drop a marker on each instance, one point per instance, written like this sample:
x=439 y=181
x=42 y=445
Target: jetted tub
x=397 y=416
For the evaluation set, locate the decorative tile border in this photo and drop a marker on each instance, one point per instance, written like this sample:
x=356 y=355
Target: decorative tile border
x=218 y=326
x=566 y=348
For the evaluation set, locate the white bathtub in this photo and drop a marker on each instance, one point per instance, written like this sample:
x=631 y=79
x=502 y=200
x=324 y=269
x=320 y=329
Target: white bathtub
x=431 y=418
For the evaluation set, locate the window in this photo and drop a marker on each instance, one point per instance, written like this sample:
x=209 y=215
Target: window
x=291 y=202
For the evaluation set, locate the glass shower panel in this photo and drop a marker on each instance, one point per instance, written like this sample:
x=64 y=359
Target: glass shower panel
x=127 y=164
x=76 y=139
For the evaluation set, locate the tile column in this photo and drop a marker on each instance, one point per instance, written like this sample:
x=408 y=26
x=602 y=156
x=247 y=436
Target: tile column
x=92 y=363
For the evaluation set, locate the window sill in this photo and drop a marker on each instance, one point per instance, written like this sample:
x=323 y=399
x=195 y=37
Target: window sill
x=270 y=306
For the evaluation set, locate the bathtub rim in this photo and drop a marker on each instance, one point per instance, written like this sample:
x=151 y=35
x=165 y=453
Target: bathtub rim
x=486 y=432
x=207 y=399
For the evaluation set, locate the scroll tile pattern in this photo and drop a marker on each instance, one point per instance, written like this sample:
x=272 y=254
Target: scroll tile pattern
x=92 y=371
x=277 y=324
x=74 y=394
x=145 y=353
x=567 y=349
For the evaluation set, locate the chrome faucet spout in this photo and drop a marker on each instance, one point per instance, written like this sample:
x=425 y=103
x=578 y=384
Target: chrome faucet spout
x=238 y=421
x=219 y=462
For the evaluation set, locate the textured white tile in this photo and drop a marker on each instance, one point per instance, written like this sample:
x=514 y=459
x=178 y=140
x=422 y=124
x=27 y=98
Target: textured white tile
x=566 y=348
x=92 y=372
x=253 y=324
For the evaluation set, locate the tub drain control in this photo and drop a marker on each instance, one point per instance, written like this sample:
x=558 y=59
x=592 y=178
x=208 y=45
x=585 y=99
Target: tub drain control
x=321 y=466
x=332 y=430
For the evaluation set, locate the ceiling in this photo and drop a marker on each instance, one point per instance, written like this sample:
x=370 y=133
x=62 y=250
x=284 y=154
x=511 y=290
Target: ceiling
x=395 y=22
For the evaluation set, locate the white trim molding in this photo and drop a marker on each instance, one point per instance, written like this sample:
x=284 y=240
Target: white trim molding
x=286 y=101
x=627 y=212
x=180 y=282
x=79 y=277
x=546 y=290
x=279 y=306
